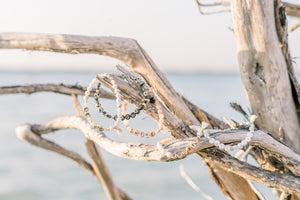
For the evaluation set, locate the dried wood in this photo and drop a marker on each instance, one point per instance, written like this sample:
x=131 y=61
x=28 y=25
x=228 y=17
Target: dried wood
x=56 y=88
x=140 y=151
x=264 y=70
x=131 y=53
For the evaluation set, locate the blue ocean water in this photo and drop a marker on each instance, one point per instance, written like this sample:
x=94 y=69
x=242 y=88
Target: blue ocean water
x=27 y=172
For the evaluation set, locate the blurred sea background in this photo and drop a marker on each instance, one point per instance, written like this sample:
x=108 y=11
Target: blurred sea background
x=31 y=173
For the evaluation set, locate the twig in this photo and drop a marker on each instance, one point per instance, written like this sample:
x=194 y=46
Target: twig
x=295 y=27
x=192 y=184
x=239 y=109
x=102 y=172
x=245 y=155
x=239 y=153
x=228 y=123
x=282 y=196
x=77 y=105
x=257 y=192
x=243 y=158
x=221 y=3
x=56 y=88
x=291 y=9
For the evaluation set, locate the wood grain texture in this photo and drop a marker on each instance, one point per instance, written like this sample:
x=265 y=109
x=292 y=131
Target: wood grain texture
x=263 y=69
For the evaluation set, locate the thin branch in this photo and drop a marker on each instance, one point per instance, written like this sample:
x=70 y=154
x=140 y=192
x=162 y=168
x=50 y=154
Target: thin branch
x=102 y=172
x=295 y=27
x=56 y=88
x=192 y=184
x=291 y=9
x=257 y=192
x=25 y=133
x=77 y=105
x=221 y=3
x=245 y=155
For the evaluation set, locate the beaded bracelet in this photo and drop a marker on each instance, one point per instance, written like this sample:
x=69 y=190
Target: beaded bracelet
x=124 y=116
x=201 y=130
x=118 y=100
x=145 y=134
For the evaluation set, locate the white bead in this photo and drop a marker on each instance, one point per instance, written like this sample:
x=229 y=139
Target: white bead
x=211 y=140
x=244 y=142
x=240 y=145
x=248 y=139
x=235 y=147
x=221 y=146
x=227 y=147
x=217 y=143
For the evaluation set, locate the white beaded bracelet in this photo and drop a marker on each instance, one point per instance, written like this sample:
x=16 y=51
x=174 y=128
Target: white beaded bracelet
x=118 y=100
x=206 y=133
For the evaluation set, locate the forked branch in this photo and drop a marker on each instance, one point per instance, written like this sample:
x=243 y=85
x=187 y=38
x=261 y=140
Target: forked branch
x=138 y=151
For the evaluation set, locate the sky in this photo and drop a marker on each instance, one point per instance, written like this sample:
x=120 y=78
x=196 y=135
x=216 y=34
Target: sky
x=173 y=32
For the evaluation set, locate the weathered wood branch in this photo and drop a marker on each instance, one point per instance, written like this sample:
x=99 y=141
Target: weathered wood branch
x=25 y=133
x=56 y=88
x=139 y=151
x=291 y=9
x=124 y=49
x=131 y=53
x=102 y=172
x=264 y=70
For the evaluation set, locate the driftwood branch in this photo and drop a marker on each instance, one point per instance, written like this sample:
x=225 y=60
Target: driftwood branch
x=140 y=151
x=103 y=174
x=124 y=49
x=291 y=9
x=132 y=54
x=192 y=184
x=56 y=88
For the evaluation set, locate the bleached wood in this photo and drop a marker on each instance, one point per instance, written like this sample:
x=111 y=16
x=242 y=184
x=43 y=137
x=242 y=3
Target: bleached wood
x=263 y=69
x=140 y=151
x=124 y=49
x=102 y=172
x=57 y=88
x=131 y=53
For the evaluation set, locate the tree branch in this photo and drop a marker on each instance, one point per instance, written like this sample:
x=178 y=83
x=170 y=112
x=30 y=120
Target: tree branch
x=139 y=151
x=56 y=88
x=291 y=9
